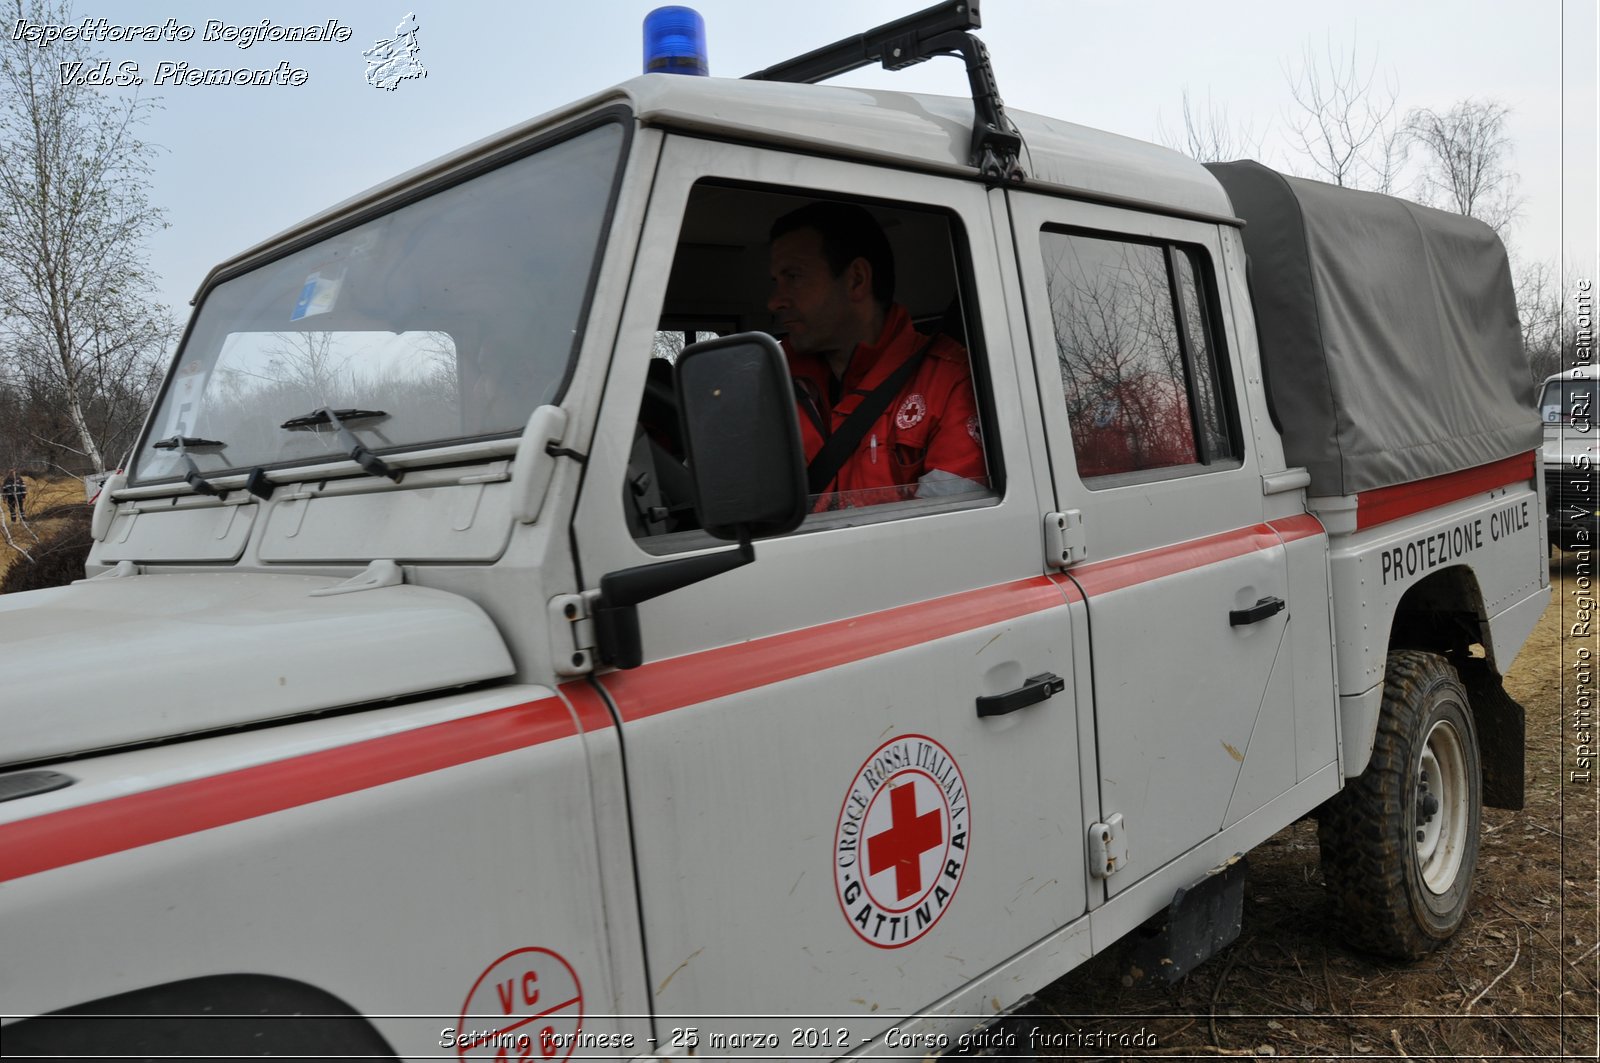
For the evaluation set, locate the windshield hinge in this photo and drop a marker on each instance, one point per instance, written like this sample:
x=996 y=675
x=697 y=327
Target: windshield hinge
x=572 y=638
x=381 y=573
x=1064 y=540
x=122 y=570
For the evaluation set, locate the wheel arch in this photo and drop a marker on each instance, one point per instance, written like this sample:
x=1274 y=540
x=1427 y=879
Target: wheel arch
x=226 y=1014
x=1444 y=614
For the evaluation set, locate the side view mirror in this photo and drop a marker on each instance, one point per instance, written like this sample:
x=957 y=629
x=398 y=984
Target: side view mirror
x=742 y=445
x=741 y=439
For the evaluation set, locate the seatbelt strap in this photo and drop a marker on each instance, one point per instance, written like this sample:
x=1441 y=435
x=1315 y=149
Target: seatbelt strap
x=843 y=442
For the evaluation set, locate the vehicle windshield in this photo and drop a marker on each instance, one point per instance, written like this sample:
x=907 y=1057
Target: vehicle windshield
x=448 y=319
x=1568 y=402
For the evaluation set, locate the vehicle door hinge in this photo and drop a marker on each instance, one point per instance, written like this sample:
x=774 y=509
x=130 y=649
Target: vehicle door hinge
x=1064 y=541
x=1108 y=847
x=572 y=633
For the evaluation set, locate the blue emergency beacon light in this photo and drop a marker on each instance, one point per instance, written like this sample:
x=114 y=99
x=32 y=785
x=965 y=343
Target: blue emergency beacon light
x=675 y=42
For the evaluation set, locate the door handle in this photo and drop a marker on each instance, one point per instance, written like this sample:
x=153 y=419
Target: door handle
x=1269 y=606
x=1035 y=690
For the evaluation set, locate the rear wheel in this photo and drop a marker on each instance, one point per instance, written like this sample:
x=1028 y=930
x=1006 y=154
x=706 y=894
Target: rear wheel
x=1400 y=843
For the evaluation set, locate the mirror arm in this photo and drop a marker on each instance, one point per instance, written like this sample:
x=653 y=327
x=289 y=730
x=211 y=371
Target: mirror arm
x=616 y=615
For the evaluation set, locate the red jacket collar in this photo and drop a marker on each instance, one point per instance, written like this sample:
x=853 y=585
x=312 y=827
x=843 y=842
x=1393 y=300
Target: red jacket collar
x=869 y=365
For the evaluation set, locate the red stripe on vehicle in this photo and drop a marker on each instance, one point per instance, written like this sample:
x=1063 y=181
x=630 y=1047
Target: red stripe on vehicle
x=1102 y=577
x=672 y=684
x=593 y=712
x=1303 y=526
x=72 y=835
x=1402 y=500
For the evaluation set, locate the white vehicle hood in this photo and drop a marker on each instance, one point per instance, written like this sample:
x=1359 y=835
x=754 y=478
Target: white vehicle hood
x=109 y=662
x=1568 y=450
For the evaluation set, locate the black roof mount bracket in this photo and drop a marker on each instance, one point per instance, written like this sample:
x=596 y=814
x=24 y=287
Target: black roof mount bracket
x=939 y=30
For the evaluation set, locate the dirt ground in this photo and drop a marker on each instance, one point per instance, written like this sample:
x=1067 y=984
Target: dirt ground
x=1519 y=980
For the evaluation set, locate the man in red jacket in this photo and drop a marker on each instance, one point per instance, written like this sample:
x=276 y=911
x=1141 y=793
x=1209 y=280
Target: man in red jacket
x=850 y=345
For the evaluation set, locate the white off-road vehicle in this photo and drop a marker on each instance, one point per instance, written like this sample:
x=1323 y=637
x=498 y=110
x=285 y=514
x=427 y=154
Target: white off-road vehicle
x=430 y=711
x=1566 y=404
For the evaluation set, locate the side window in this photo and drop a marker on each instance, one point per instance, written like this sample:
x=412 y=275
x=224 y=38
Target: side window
x=1136 y=344
x=923 y=443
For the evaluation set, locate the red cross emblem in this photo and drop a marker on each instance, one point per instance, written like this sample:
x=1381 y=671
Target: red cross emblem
x=902 y=840
x=902 y=845
x=912 y=410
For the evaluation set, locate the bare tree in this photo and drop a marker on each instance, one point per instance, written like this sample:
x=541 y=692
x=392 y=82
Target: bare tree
x=1343 y=122
x=1549 y=327
x=76 y=298
x=309 y=362
x=1466 y=161
x=1210 y=136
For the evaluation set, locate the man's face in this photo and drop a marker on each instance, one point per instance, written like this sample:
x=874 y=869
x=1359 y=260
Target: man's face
x=809 y=302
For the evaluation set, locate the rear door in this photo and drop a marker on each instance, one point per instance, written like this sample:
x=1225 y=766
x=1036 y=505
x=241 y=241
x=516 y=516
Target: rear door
x=824 y=825
x=1187 y=586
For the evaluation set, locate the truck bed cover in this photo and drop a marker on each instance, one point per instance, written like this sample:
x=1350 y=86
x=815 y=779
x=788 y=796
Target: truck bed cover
x=1388 y=332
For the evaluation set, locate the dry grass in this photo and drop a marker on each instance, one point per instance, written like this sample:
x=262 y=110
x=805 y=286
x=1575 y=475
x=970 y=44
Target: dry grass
x=54 y=508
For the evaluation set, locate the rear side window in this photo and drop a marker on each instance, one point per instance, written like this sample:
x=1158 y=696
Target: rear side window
x=1136 y=345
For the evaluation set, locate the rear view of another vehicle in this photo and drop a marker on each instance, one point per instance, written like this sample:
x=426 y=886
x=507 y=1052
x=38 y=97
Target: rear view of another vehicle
x=1567 y=407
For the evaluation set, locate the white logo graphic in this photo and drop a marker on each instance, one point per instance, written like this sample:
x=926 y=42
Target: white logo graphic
x=912 y=410
x=393 y=61
x=901 y=843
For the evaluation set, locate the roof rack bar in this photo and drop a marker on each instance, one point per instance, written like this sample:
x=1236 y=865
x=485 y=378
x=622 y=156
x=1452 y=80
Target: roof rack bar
x=876 y=45
x=938 y=30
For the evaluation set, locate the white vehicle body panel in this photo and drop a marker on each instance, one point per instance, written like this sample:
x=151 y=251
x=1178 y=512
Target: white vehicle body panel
x=379 y=857
x=204 y=635
x=1494 y=538
x=185 y=529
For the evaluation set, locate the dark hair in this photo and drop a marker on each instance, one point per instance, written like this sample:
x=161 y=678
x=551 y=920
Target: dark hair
x=848 y=232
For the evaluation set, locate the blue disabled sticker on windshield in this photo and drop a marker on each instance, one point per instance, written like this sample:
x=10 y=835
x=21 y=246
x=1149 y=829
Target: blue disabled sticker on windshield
x=318 y=296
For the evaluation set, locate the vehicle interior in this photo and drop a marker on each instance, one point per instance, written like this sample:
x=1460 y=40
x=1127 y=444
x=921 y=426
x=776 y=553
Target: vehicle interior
x=719 y=285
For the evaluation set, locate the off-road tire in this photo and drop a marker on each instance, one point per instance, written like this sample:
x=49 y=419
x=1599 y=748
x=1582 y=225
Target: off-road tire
x=1399 y=881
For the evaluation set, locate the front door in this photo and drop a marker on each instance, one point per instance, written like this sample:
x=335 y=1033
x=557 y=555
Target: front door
x=828 y=835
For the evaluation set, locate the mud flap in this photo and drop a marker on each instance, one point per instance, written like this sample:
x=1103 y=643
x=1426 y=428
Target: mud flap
x=1006 y=1036
x=1502 y=726
x=1202 y=920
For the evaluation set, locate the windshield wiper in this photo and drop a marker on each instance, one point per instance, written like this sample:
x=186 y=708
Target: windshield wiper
x=186 y=443
x=327 y=415
x=183 y=444
x=359 y=454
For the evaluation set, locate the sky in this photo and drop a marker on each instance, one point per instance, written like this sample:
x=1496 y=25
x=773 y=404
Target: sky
x=238 y=164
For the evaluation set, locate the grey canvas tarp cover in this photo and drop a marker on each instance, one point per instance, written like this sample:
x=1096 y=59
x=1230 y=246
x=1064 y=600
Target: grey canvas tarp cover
x=1388 y=332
